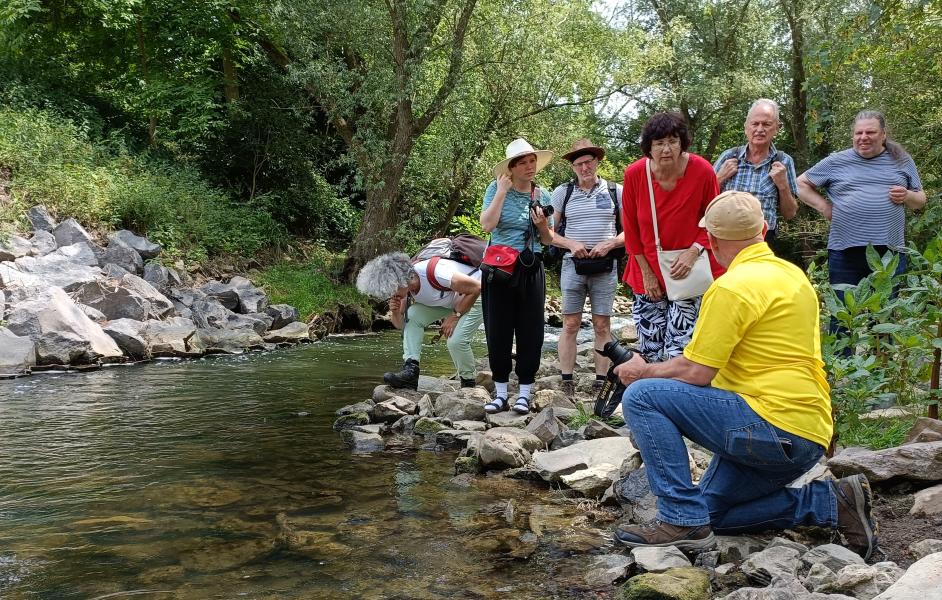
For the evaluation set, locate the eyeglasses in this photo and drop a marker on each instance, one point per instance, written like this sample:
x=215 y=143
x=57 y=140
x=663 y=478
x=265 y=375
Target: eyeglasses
x=584 y=163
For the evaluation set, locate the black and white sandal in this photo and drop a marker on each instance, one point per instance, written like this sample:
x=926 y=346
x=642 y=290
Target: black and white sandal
x=522 y=406
x=496 y=405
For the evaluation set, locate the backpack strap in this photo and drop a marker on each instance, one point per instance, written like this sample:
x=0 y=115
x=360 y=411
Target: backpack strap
x=430 y=275
x=569 y=188
x=613 y=192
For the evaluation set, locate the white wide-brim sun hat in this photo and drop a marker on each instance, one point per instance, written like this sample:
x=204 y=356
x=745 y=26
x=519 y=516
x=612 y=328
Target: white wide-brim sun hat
x=521 y=147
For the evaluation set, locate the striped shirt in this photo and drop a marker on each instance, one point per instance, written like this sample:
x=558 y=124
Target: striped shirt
x=755 y=179
x=859 y=190
x=590 y=216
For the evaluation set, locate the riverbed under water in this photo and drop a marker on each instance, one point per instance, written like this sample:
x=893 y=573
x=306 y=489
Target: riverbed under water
x=174 y=479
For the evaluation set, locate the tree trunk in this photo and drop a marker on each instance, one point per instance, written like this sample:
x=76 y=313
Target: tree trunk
x=798 y=109
x=378 y=232
x=230 y=78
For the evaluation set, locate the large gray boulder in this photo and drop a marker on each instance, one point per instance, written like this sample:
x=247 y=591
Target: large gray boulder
x=922 y=581
x=209 y=313
x=169 y=337
x=40 y=218
x=14 y=247
x=617 y=452
x=545 y=426
x=251 y=298
x=62 y=332
x=282 y=314
x=832 y=556
x=17 y=353
x=71 y=232
x=506 y=447
x=120 y=254
x=224 y=341
x=42 y=243
x=917 y=461
x=80 y=253
x=42 y=272
x=863 y=582
x=127 y=334
x=659 y=559
x=164 y=279
x=129 y=297
x=466 y=404
x=257 y=322
x=778 y=561
x=143 y=246
x=290 y=333
x=223 y=292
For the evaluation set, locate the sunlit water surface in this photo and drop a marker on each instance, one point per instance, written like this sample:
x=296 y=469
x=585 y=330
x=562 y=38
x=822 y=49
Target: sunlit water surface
x=168 y=480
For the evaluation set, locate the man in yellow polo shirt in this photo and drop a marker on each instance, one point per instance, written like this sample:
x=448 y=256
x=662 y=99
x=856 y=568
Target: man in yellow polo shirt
x=751 y=388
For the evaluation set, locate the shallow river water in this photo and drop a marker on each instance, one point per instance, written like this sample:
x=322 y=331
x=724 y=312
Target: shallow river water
x=187 y=479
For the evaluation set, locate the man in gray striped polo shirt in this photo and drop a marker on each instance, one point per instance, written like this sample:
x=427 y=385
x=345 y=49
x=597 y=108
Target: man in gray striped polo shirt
x=869 y=188
x=588 y=205
x=760 y=169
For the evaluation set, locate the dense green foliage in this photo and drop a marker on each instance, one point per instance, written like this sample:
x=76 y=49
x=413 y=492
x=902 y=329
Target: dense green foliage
x=228 y=128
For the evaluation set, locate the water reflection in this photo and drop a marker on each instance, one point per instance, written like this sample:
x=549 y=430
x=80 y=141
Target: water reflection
x=223 y=478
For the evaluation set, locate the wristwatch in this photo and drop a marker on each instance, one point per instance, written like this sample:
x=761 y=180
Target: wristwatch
x=699 y=248
x=457 y=314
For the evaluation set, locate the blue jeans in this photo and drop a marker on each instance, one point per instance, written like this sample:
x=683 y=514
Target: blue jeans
x=850 y=266
x=744 y=487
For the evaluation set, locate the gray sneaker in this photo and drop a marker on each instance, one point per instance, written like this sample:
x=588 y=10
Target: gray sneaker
x=854 y=514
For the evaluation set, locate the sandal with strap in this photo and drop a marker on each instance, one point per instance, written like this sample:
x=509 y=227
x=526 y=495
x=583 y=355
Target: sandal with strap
x=496 y=405
x=522 y=406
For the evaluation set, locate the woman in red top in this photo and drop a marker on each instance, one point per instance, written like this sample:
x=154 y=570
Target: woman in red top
x=684 y=184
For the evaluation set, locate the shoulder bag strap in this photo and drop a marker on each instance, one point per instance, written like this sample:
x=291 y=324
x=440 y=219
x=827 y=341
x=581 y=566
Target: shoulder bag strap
x=430 y=275
x=657 y=235
x=613 y=192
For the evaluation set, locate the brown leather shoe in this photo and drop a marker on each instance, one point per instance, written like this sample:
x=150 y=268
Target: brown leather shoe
x=854 y=514
x=658 y=533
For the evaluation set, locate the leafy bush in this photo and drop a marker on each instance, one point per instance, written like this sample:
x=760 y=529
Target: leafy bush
x=310 y=285
x=53 y=162
x=883 y=357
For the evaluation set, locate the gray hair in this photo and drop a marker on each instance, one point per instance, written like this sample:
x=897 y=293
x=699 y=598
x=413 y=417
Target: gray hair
x=765 y=102
x=382 y=276
x=897 y=152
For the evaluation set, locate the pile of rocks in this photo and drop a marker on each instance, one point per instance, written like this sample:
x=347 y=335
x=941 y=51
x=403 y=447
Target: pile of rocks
x=68 y=302
x=560 y=444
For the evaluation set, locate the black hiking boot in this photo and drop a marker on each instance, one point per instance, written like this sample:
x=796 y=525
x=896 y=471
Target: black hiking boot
x=407 y=377
x=468 y=383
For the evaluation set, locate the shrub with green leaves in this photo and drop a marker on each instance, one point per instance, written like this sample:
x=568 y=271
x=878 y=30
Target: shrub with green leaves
x=883 y=356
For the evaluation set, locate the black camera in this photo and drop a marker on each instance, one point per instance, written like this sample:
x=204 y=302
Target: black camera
x=610 y=395
x=547 y=209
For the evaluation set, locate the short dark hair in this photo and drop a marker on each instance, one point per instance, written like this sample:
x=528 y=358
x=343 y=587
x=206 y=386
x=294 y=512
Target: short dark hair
x=662 y=125
x=517 y=159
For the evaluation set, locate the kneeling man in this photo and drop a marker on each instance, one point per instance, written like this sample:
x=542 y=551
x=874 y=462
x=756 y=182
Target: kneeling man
x=751 y=388
x=420 y=294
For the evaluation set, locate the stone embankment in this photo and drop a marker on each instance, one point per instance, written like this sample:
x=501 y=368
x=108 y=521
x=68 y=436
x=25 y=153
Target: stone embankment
x=70 y=302
x=561 y=445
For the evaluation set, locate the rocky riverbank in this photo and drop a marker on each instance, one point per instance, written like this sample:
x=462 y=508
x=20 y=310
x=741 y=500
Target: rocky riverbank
x=560 y=445
x=70 y=301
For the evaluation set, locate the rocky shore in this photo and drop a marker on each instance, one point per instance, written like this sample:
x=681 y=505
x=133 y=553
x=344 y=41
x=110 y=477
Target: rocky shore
x=561 y=446
x=69 y=301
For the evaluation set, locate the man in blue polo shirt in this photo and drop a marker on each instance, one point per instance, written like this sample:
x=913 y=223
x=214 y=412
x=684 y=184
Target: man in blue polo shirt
x=760 y=169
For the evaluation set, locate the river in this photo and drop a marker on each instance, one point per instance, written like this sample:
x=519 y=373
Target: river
x=169 y=479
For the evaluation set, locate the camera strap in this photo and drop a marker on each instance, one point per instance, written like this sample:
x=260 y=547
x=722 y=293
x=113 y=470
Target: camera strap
x=530 y=227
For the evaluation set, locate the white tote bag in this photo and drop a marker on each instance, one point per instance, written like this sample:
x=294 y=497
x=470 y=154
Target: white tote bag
x=700 y=277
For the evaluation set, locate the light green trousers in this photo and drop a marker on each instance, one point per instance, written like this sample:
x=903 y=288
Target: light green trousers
x=459 y=344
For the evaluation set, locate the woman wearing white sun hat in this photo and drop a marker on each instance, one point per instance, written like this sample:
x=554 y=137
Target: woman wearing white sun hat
x=514 y=308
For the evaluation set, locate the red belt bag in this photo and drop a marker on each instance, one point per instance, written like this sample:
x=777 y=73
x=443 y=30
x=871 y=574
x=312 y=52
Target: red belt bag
x=499 y=262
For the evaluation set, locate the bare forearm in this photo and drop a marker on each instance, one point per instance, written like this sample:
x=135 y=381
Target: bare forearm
x=915 y=199
x=787 y=204
x=681 y=369
x=465 y=302
x=809 y=195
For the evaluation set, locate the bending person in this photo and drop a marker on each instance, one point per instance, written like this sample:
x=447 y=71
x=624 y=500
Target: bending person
x=513 y=309
x=751 y=388
x=420 y=294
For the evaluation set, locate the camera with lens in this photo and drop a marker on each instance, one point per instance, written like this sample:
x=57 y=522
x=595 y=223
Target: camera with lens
x=547 y=209
x=610 y=394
